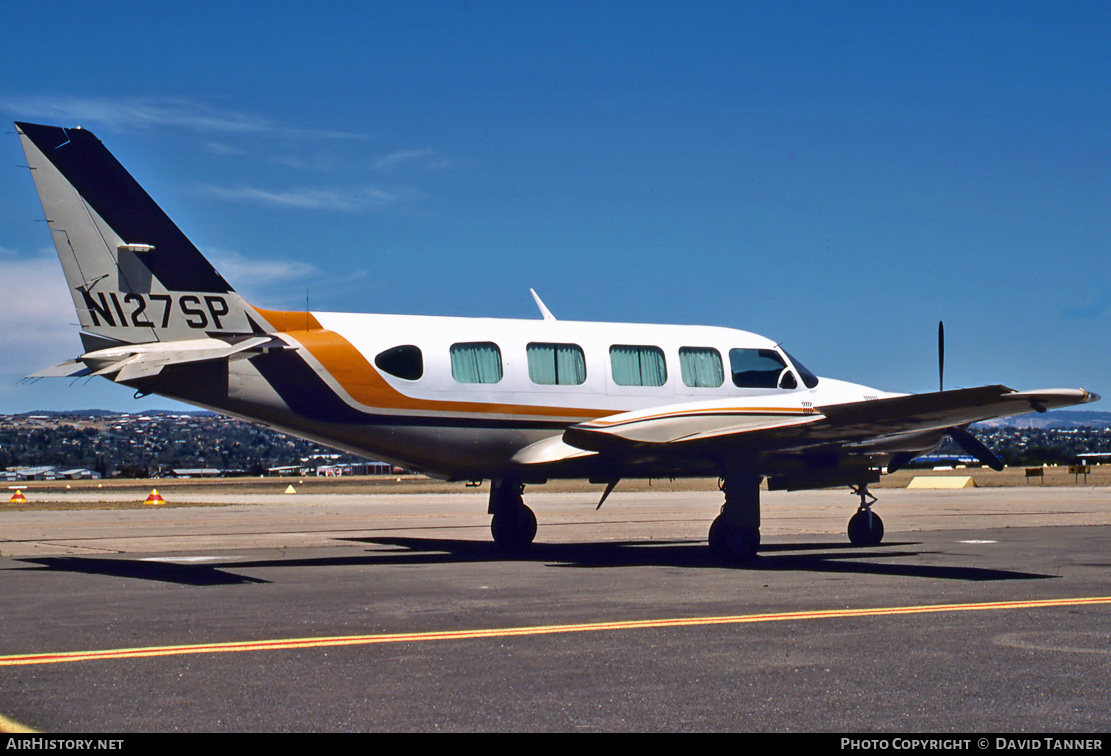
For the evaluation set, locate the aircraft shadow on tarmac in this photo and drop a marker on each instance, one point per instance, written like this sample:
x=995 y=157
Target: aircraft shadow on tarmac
x=163 y=572
x=834 y=557
x=831 y=557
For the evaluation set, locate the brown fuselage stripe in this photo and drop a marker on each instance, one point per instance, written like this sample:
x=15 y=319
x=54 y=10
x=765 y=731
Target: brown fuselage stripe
x=510 y=632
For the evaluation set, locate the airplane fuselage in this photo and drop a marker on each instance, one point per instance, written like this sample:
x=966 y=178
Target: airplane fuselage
x=466 y=398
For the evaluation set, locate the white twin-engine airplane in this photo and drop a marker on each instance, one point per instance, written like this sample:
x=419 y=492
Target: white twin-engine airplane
x=513 y=401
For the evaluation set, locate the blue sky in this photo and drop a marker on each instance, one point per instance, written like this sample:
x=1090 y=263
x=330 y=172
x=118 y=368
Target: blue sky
x=838 y=176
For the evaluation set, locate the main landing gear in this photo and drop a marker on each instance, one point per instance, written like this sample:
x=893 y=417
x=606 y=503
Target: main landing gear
x=865 y=527
x=735 y=533
x=513 y=525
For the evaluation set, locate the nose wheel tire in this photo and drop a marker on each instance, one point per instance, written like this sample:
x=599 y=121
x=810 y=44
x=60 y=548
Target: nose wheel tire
x=865 y=528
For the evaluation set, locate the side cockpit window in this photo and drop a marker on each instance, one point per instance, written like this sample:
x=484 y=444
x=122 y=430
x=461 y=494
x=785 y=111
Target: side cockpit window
x=760 y=368
x=405 y=362
x=808 y=378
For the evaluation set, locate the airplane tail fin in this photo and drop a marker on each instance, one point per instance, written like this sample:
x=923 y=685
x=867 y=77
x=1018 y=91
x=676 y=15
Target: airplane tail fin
x=134 y=276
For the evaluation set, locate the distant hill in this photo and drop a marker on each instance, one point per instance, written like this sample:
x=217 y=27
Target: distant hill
x=1054 y=419
x=110 y=413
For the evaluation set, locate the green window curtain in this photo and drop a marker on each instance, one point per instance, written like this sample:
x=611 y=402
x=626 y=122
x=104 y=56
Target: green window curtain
x=701 y=367
x=638 y=365
x=476 y=363
x=556 y=364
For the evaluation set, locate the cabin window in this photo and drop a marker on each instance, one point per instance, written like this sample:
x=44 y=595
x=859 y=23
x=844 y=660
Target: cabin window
x=401 y=361
x=556 y=364
x=477 y=362
x=638 y=365
x=757 y=368
x=701 y=367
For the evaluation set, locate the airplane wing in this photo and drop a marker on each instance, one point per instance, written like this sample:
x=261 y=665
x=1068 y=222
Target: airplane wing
x=720 y=427
x=944 y=409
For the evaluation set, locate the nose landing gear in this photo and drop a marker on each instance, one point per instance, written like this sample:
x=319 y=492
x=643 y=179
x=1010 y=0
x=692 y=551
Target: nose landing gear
x=865 y=527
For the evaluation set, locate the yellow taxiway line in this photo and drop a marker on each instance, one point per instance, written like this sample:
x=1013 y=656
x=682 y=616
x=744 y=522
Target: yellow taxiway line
x=11 y=727
x=511 y=632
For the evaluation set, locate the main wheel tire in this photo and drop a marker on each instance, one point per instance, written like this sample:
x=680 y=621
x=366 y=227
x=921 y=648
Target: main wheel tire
x=514 y=529
x=865 y=529
x=733 y=543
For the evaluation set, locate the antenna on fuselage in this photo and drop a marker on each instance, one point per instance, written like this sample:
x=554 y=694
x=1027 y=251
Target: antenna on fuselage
x=543 y=309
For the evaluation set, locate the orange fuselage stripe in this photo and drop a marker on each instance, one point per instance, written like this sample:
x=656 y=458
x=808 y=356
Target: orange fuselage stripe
x=365 y=385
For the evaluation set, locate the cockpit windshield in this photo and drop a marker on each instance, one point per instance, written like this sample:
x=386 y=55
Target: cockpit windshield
x=808 y=378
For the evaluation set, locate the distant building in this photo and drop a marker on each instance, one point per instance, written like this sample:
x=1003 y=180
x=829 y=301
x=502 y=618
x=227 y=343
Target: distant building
x=49 y=472
x=1098 y=458
x=355 y=468
x=948 y=460
x=288 y=470
x=196 y=472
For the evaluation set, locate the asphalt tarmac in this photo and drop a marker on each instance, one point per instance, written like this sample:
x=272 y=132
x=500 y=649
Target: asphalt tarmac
x=984 y=611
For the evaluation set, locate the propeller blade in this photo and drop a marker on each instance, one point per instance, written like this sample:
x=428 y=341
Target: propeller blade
x=975 y=447
x=940 y=356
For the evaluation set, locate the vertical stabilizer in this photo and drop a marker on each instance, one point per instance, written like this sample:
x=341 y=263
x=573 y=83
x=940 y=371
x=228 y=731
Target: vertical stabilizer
x=133 y=275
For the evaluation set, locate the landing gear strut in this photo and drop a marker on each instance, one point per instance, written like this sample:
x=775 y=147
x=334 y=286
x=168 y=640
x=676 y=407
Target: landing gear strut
x=865 y=528
x=513 y=525
x=735 y=533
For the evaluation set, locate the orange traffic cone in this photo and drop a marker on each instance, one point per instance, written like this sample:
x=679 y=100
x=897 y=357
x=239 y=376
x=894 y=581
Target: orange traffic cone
x=18 y=498
x=155 y=497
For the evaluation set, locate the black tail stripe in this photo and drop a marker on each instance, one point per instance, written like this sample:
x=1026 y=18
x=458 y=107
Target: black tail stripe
x=112 y=192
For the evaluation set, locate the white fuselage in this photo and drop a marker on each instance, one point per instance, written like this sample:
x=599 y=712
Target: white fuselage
x=599 y=391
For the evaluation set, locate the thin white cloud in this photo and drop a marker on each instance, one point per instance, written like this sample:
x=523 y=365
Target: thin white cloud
x=150 y=112
x=220 y=148
x=426 y=160
x=38 y=320
x=389 y=163
x=243 y=272
x=1090 y=305
x=310 y=199
x=284 y=284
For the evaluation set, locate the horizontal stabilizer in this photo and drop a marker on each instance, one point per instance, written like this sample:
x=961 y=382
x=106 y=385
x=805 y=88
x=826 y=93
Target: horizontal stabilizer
x=67 y=369
x=135 y=361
